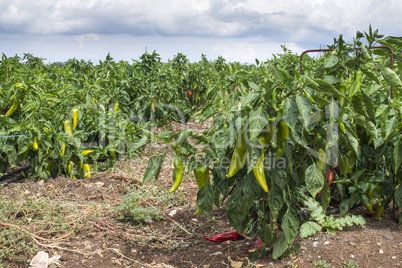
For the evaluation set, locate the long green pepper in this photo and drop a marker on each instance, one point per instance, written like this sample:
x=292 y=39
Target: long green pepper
x=258 y=170
x=239 y=157
x=202 y=177
x=178 y=174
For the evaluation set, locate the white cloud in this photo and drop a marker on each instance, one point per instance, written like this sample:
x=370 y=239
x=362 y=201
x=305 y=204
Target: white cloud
x=81 y=38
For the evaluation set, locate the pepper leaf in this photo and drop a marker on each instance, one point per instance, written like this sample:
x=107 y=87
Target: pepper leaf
x=389 y=129
x=290 y=224
x=280 y=247
x=258 y=119
x=392 y=78
x=23 y=144
x=325 y=195
x=153 y=168
x=371 y=128
x=398 y=196
x=327 y=87
x=266 y=234
x=305 y=108
x=236 y=209
x=330 y=60
x=314 y=179
x=291 y=112
x=369 y=106
x=359 y=106
x=205 y=199
x=398 y=154
x=275 y=195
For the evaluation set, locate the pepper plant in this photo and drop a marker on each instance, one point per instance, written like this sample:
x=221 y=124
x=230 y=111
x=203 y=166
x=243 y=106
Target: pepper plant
x=51 y=113
x=277 y=132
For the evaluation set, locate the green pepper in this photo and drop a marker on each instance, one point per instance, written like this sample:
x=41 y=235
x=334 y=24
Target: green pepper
x=341 y=126
x=321 y=159
x=283 y=130
x=63 y=150
x=308 y=96
x=86 y=152
x=70 y=169
x=269 y=132
x=112 y=154
x=202 y=177
x=12 y=98
x=283 y=134
x=379 y=206
x=239 y=157
x=368 y=203
x=35 y=146
x=87 y=170
x=258 y=170
x=350 y=162
x=75 y=117
x=67 y=127
x=280 y=149
x=13 y=108
x=274 y=100
x=178 y=174
x=342 y=90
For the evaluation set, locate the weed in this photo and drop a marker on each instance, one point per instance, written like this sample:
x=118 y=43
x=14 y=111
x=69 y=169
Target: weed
x=131 y=209
x=22 y=216
x=350 y=264
x=322 y=264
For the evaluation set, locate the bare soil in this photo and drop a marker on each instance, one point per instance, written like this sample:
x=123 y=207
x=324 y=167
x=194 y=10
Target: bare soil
x=177 y=240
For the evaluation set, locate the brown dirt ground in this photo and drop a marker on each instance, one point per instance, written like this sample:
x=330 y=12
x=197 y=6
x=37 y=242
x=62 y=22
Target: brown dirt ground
x=177 y=240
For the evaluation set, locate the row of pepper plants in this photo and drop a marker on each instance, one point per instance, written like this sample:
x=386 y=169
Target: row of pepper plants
x=66 y=117
x=280 y=138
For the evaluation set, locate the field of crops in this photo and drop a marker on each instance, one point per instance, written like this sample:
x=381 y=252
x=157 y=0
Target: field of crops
x=289 y=137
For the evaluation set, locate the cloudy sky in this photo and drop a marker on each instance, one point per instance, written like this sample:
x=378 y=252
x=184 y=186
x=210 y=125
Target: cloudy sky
x=238 y=30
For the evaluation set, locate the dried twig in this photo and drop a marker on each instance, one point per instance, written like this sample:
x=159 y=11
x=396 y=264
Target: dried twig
x=86 y=254
x=8 y=225
x=118 y=252
x=175 y=222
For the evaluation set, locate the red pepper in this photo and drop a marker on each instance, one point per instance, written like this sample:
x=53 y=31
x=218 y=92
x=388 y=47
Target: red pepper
x=189 y=94
x=374 y=211
x=330 y=175
x=257 y=246
x=258 y=243
x=224 y=237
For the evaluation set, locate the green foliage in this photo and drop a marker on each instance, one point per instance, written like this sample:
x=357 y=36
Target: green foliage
x=321 y=264
x=350 y=264
x=329 y=223
x=309 y=228
x=148 y=89
x=340 y=104
x=132 y=208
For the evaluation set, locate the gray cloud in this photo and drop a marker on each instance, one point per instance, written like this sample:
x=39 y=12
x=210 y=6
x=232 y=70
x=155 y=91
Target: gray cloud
x=221 y=18
x=218 y=18
x=234 y=28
